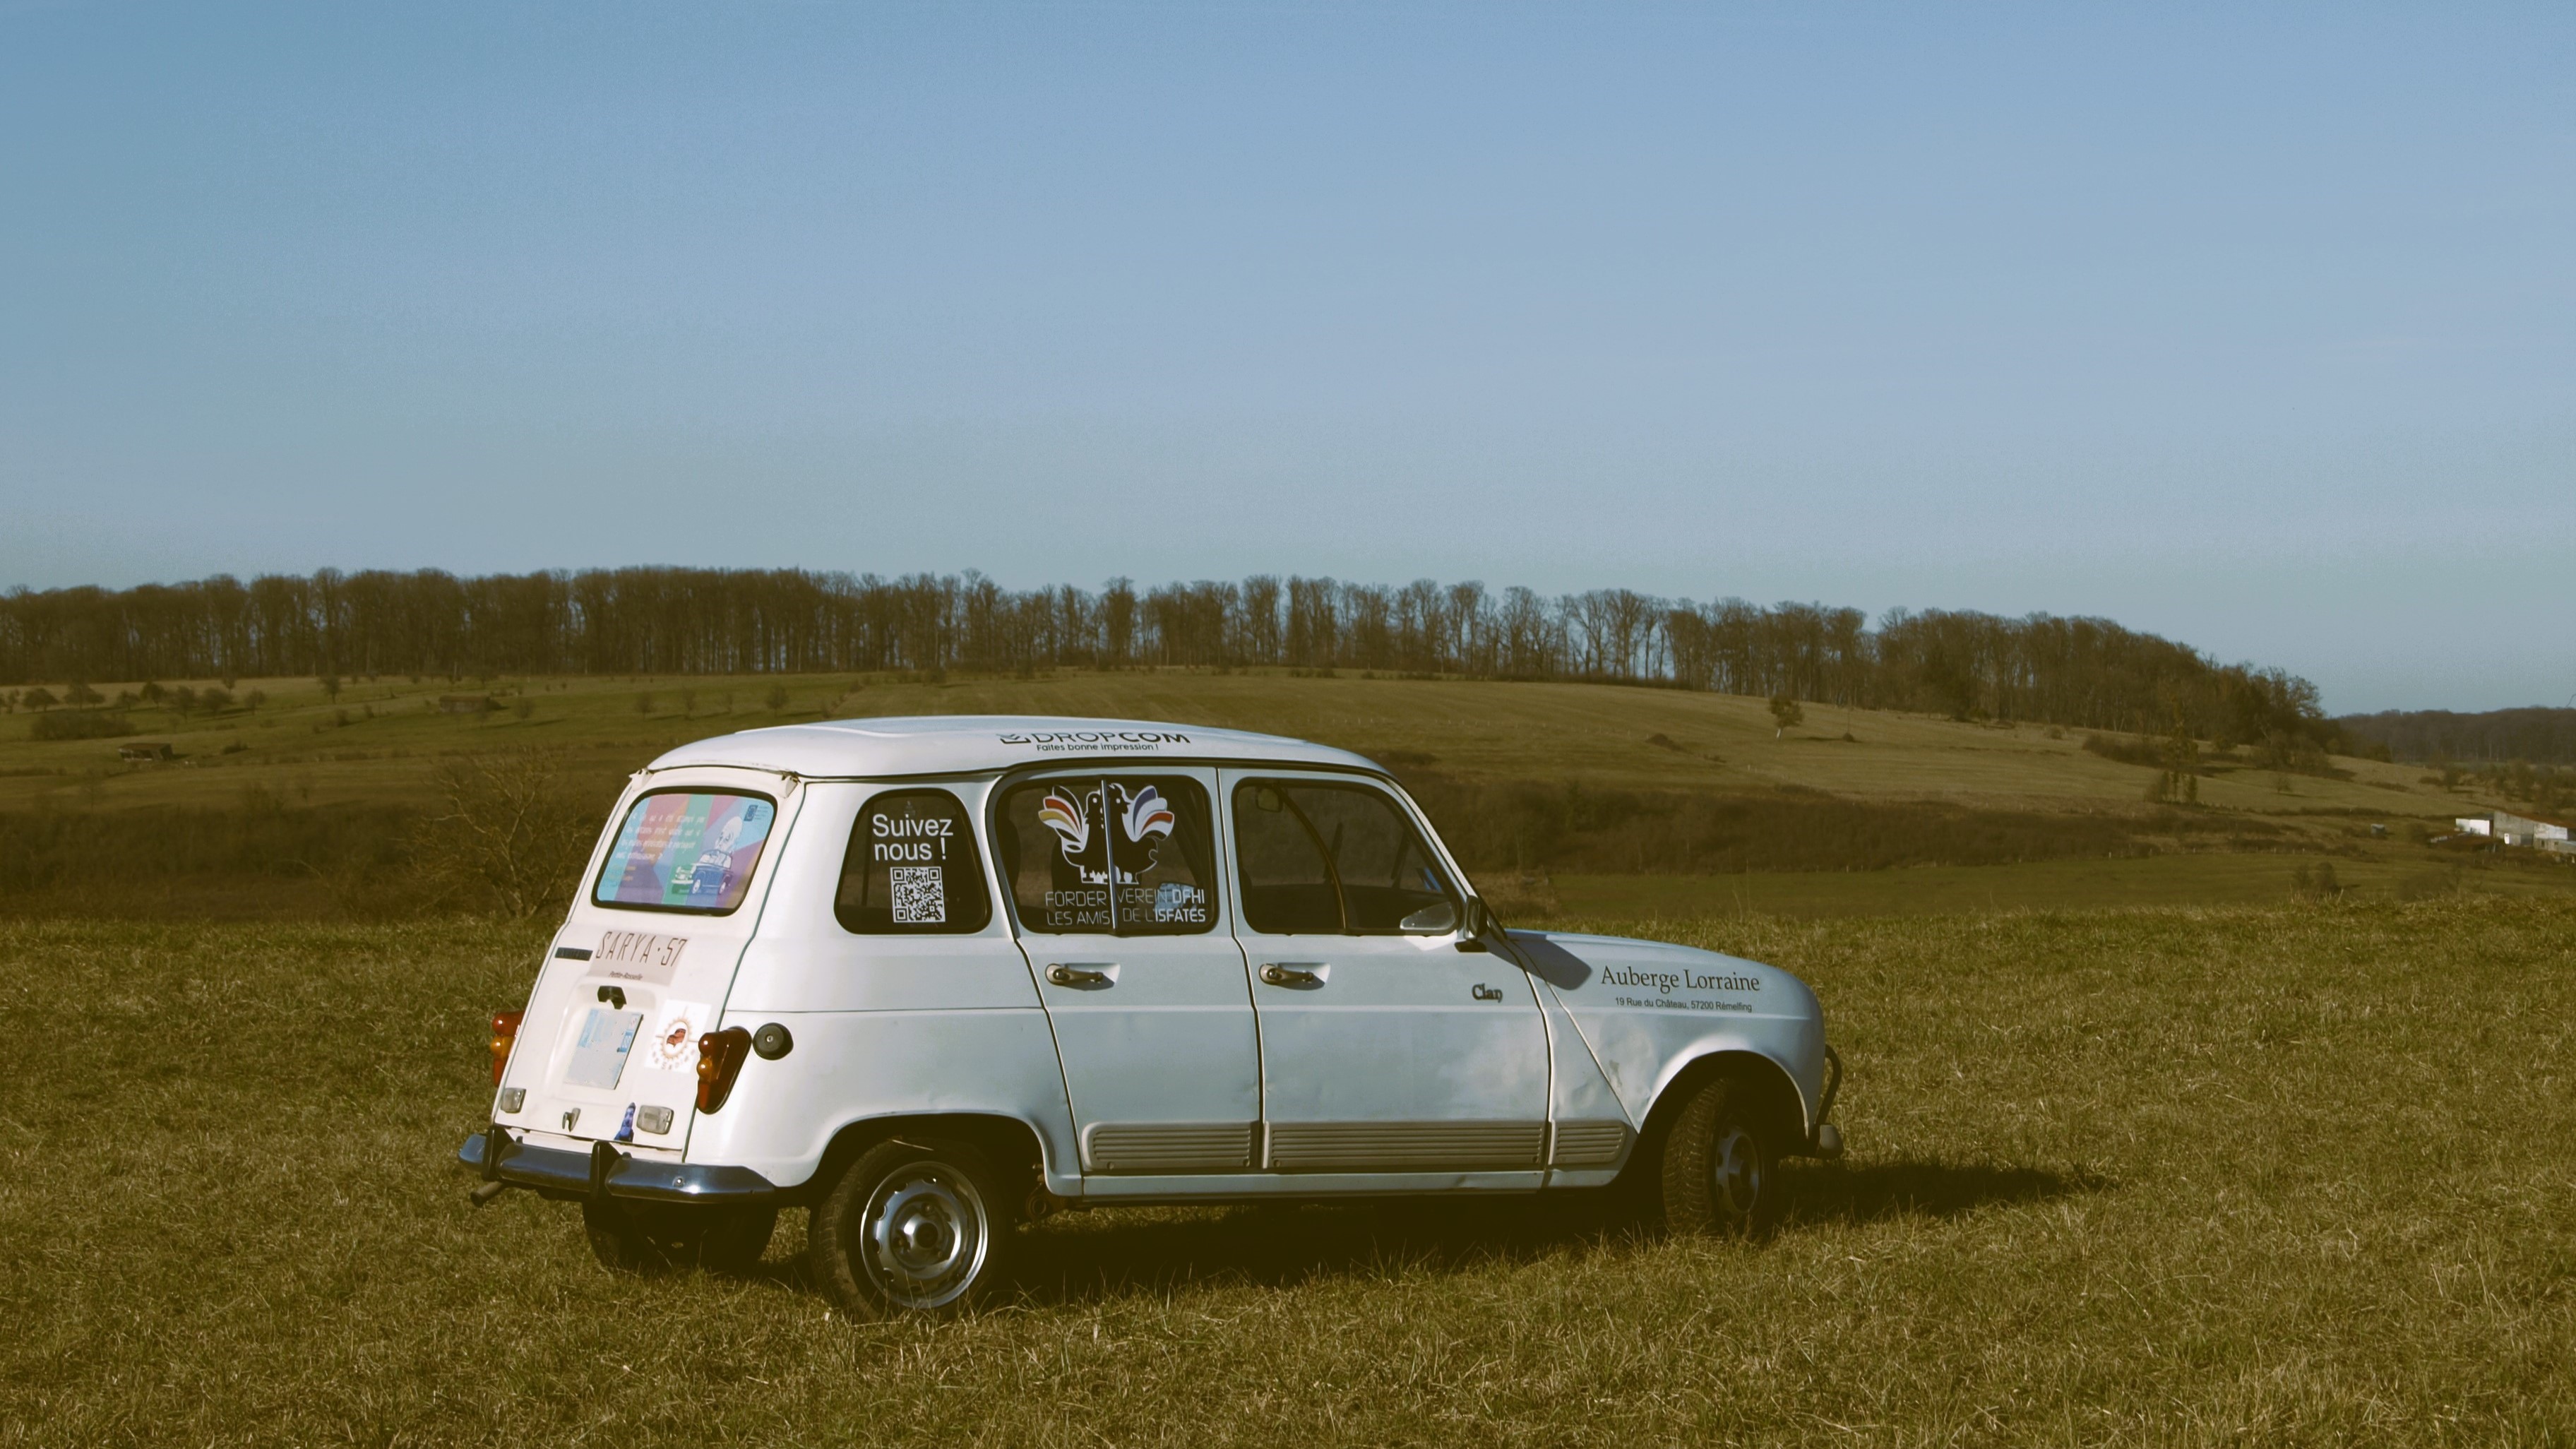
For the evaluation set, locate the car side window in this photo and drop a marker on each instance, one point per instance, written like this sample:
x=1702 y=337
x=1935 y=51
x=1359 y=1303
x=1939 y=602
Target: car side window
x=1126 y=855
x=911 y=868
x=1332 y=858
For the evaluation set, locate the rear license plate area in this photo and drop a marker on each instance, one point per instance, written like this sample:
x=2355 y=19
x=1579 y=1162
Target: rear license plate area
x=599 y=1052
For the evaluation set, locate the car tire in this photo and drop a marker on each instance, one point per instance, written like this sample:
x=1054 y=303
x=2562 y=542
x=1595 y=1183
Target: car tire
x=911 y=1227
x=732 y=1240
x=1721 y=1172
x=636 y=1237
x=616 y=1240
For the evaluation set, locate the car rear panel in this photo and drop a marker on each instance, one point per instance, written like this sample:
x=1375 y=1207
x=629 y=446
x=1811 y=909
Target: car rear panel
x=609 y=1042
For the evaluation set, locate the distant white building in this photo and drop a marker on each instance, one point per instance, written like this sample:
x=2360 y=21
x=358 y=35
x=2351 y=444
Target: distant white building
x=2510 y=829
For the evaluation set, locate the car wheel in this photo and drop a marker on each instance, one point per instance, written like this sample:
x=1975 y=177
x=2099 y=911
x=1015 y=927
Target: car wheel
x=918 y=1227
x=731 y=1240
x=616 y=1239
x=639 y=1237
x=1721 y=1174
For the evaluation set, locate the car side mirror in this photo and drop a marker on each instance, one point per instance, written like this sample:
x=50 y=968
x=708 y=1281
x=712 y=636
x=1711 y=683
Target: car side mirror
x=1481 y=930
x=1480 y=918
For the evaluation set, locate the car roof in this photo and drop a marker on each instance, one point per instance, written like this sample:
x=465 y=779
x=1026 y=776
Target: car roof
x=975 y=744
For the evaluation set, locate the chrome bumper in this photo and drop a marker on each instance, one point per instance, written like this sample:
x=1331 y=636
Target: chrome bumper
x=606 y=1172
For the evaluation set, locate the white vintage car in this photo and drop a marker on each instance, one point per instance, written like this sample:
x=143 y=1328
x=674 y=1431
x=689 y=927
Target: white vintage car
x=932 y=978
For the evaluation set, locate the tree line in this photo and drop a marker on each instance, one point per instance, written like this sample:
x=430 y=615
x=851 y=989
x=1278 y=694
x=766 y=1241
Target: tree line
x=2533 y=734
x=2089 y=673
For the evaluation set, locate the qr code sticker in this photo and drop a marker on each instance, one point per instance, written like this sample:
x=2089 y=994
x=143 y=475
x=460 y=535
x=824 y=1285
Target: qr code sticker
x=920 y=896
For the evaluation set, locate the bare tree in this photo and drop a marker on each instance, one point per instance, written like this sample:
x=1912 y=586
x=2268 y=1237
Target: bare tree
x=1785 y=713
x=505 y=839
x=663 y=623
x=2179 y=783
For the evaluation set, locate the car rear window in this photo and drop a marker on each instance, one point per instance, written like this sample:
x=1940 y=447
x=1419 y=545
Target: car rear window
x=686 y=850
x=912 y=868
x=1128 y=855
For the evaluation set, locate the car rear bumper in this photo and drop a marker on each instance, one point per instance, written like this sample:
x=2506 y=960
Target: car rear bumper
x=605 y=1171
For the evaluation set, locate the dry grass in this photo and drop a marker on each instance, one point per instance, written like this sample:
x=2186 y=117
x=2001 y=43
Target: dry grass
x=1642 y=781
x=2366 y=874
x=1596 y=735
x=2286 y=1175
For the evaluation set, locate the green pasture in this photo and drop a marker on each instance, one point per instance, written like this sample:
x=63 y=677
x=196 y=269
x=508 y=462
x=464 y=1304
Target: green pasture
x=2295 y=1174
x=246 y=830
x=2361 y=873
x=379 y=740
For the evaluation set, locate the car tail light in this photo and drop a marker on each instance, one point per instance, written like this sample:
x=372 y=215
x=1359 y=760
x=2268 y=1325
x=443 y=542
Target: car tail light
x=505 y=1034
x=720 y=1058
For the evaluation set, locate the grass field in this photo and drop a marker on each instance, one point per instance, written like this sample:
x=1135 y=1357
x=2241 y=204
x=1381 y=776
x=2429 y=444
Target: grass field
x=2374 y=873
x=375 y=747
x=296 y=748
x=2254 y=1175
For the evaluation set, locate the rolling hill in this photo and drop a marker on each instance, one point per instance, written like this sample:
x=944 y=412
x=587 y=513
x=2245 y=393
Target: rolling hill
x=1556 y=794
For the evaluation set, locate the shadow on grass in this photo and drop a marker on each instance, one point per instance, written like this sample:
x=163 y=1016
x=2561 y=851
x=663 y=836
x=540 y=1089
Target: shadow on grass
x=1119 y=1252
x=1881 y=1191
x=1116 y=1253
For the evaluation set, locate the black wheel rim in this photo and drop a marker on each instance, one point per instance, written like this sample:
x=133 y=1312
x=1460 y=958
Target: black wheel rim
x=1736 y=1172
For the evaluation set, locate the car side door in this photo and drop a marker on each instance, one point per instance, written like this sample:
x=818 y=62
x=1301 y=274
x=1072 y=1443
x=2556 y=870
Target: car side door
x=1113 y=879
x=1391 y=1041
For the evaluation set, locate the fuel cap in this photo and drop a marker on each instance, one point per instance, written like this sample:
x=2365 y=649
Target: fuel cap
x=772 y=1042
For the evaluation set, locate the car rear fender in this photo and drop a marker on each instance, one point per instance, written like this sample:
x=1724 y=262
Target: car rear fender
x=1015 y=1147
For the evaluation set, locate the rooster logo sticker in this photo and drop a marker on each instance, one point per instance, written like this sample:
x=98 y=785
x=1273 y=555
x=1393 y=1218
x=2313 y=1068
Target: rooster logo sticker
x=1147 y=814
x=1099 y=836
x=1069 y=821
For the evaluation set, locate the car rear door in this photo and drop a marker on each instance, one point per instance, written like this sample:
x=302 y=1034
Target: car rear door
x=1113 y=875
x=1385 y=1047
x=608 y=1048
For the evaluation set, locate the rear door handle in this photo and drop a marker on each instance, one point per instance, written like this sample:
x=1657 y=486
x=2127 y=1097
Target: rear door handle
x=1064 y=975
x=1281 y=973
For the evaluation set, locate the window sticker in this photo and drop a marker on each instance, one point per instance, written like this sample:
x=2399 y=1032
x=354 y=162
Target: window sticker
x=1123 y=855
x=920 y=894
x=912 y=867
x=686 y=851
x=1091 y=847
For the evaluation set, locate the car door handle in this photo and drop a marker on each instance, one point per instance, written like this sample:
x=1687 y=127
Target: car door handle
x=1282 y=973
x=1064 y=975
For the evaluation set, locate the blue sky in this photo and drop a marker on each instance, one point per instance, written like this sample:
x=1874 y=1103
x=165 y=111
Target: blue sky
x=2250 y=325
